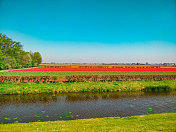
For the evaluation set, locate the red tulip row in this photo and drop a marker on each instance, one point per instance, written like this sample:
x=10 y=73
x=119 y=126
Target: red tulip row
x=96 y=69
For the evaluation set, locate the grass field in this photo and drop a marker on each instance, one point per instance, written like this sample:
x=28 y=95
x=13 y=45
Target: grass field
x=151 y=123
x=65 y=87
x=63 y=73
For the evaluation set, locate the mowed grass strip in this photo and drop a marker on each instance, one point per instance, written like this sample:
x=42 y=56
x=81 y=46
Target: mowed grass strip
x=154 y=122
x=67 y=87
x=64 y=73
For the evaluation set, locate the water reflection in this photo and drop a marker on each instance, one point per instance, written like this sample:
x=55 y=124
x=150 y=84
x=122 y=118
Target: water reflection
x=75 y=97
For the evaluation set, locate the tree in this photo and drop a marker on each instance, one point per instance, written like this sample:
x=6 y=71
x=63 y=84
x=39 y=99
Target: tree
x=12 y=54
x=36 y=58
x=27 y=60
x=9 y=51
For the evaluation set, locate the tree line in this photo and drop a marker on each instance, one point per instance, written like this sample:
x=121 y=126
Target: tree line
x=12 y=55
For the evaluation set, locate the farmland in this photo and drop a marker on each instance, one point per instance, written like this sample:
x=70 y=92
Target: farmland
x=84 y=78
x=63 y=70
x=97 y=68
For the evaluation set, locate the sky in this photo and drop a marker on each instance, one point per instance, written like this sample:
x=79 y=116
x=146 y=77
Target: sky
x=93 y=31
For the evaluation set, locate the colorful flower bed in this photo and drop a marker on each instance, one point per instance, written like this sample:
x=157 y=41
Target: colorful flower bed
x=96 y=69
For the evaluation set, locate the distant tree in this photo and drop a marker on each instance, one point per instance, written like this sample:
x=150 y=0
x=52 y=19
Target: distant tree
x=36 y=58
x=27 y=60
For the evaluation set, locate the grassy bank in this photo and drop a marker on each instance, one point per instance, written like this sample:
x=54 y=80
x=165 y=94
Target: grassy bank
x=154 y=122
x=65 y=87
x=63 y=73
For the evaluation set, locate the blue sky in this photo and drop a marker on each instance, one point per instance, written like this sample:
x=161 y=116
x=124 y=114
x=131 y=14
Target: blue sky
x=93 y=30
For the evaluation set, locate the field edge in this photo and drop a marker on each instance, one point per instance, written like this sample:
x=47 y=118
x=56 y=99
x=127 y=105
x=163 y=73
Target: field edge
x=74 y=87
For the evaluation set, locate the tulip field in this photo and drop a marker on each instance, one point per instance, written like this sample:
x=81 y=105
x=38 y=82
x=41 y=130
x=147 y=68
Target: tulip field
x=97 y=68
x=94 y=70
x=89 y=72
x=93 y=76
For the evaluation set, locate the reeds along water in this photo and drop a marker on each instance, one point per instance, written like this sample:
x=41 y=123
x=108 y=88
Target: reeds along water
x=156 y=89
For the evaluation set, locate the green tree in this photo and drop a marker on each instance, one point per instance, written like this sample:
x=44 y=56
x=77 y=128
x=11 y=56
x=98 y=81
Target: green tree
x=9 y=51
x=27 y=60
x=12 y=54
x=36 y=58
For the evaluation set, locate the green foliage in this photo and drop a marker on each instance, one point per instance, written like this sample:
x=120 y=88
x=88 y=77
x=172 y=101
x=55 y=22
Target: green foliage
x=7 y=66
x=34 y=64
x=27 y=60
x=36 y=58
x=18 y=66
x=157 y=88
x=1 y=65
x=12 y=55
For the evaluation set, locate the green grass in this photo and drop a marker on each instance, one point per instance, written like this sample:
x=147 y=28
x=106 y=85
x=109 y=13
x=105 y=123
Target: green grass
x=63 y=73
x=65 y=87
x=144 y=123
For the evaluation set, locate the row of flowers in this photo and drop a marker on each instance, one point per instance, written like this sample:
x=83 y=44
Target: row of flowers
x=95 y=69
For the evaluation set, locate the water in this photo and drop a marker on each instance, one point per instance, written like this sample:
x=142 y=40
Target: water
x=32 y=108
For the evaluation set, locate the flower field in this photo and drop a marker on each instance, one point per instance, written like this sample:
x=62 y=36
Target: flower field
x=72 y=73
x=96 y=68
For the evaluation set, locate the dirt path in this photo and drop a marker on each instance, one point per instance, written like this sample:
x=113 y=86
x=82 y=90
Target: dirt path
x=4 y=71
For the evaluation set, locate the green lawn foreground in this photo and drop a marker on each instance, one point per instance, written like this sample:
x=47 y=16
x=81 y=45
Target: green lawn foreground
x=165 y=122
